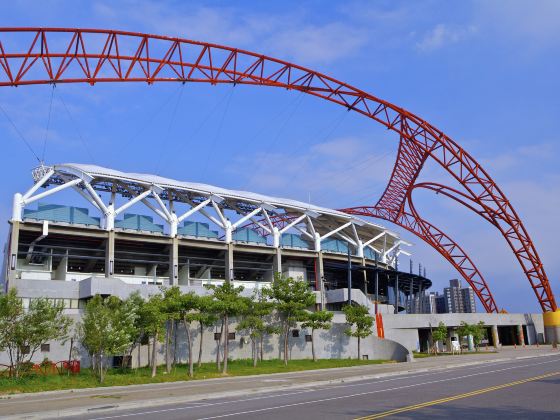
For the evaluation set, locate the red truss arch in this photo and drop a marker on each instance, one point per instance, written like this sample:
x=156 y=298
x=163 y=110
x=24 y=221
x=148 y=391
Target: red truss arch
x=63 y=55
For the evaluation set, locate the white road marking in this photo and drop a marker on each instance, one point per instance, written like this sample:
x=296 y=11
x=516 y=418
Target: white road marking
x=313 y=401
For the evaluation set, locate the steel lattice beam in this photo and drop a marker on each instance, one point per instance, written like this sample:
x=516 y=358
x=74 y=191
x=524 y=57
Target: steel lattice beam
x=63 y=55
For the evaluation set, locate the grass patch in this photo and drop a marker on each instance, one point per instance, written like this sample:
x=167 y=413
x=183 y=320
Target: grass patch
x=85 y=379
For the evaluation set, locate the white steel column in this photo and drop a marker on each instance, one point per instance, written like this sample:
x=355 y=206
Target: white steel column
x=17 y=207
x=110 y=254
x=229 y=262
x=174 y=262
x=13 y=251
x=277 y=259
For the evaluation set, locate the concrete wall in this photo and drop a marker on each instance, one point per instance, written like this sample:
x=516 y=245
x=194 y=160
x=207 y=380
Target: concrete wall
x=403 y=328
x=331 y=344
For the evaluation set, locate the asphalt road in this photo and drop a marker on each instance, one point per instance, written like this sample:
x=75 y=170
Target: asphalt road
x=526 y=388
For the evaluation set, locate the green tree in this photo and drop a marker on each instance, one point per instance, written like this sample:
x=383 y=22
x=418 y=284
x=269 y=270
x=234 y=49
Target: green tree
x=206 y=317
x=11 y=313
x=133 y=304
x=318 y=320
x=254 y=321
x=464 y=330
x=439 y=334
x=291 y=298
x=171 y=307
x=107 y=329
x=228 y=303
x=478 y=332
x=360 y=323
x=188 y=305
x=23 y=331
x=153 y=323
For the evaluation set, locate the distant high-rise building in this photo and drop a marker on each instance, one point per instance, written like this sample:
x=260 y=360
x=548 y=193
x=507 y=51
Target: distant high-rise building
x=440 y=304
x=423 y=304
x=458 y=299
x=469 y=303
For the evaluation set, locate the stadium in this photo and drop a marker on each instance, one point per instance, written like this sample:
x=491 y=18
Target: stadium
x=190 y=235
x=82 y=230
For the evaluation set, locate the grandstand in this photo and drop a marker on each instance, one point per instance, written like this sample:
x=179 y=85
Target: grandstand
x=120 y=232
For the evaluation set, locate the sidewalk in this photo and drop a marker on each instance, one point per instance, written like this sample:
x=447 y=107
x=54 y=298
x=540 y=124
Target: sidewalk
x=72 y=402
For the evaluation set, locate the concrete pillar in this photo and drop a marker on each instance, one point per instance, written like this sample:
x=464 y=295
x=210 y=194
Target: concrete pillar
x=62 y=269
x=321 y=275
x=520 y=336
x=229 y=262
x=277 y=262
x=174 y=262
x=552 y=327
x=495 y=336
x=184 y=274
x=470 y=340
x=110 y=254
x=13 y=250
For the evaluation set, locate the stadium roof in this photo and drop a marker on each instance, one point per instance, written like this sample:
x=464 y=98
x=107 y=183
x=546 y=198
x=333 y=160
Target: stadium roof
x=260 y=212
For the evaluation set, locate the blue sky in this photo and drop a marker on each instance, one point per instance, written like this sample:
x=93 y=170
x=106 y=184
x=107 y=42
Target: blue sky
x=485 y=72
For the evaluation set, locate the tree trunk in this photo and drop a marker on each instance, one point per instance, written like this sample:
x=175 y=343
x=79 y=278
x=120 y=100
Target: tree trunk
x=218 y=344
x=359 y=352
x=70 y=356
x=101 y=372
x=255 y=351
x=167 y=341
x=189 y=346
x=175 y=328
x=226 y=344
x=200 y=346
x=154 y=366
x=286 y=335
x=313 y=345
x=149 y=353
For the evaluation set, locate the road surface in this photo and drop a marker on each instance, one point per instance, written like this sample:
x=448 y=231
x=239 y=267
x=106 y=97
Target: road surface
x=526 y=388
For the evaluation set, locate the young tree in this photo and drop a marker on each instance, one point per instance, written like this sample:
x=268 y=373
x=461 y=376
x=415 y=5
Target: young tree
x=291 y=298
x=23 y=331
x=11 y=313
x=107 y=329
x=228 y=303
x=134 y=304
x=205 y=317
x=439 y=334
x=187 y=306
x=171 y=307
x=360 y=323
x=478 y=332
x=464 y=330
x=153 y=320
x=254 y=321
x=318 y=320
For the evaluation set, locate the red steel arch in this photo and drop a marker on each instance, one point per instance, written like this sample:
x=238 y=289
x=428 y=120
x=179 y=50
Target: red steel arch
x=65 y=55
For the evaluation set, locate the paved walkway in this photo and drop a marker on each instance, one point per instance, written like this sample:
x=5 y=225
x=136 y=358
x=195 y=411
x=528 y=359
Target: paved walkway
x=104 y=400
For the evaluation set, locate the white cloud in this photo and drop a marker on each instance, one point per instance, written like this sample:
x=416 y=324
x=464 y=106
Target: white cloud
x=534 y=24
x=288 y=36
x=331 y=173
x=318 y=44
x=443 y=35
